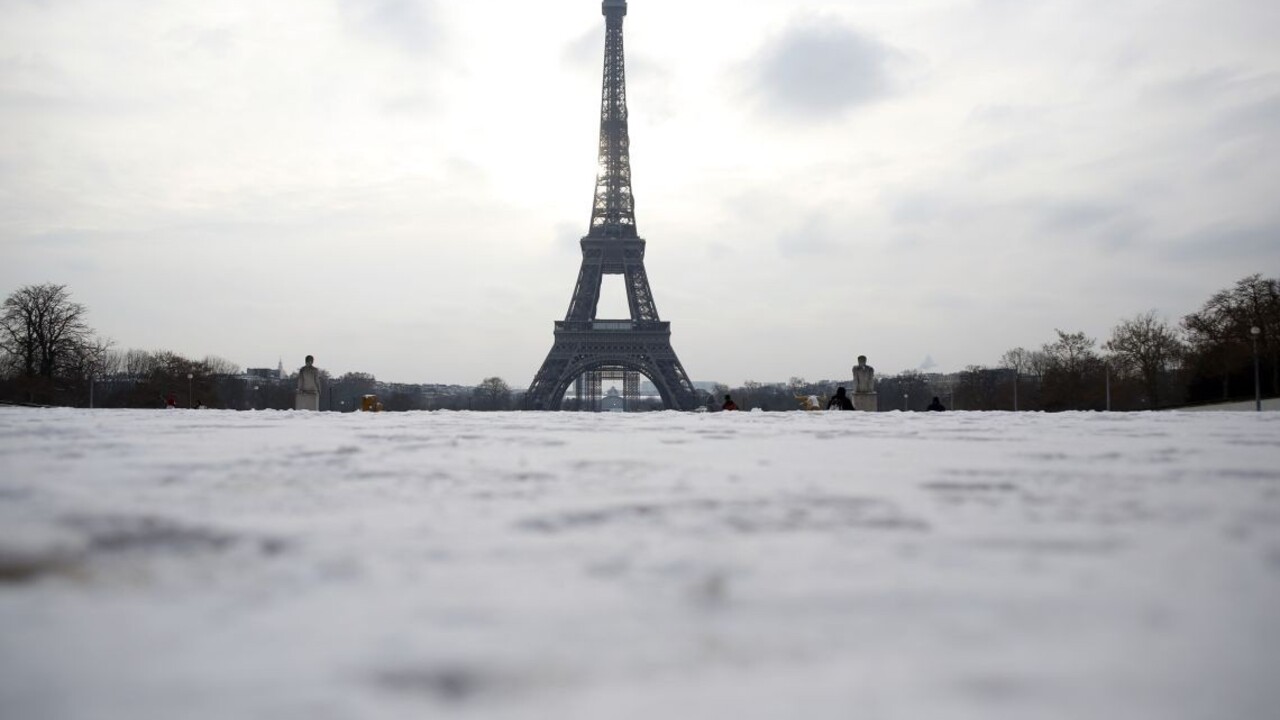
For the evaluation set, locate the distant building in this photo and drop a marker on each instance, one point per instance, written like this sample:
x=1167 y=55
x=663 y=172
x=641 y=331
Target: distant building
x=612 y=401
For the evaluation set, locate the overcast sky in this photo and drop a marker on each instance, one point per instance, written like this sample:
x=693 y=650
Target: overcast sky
x=398 y=186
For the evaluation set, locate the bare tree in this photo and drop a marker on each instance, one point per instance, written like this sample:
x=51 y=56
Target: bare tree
x=44 y=330
x=1219 y=336
x=91 y=359
x=1069 y=364
x=1148 y=346
x=214 y=365
x=979 y=388
x=137 y=363
x=1019 y=360
x=908 y=390
x=492 y=394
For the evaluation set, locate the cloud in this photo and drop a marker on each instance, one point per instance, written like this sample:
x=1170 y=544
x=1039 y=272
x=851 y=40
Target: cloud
x=1107 y=226
x=1259 y=118
x=1198 y=85
x=1226 y=241
x=584 y=51
x=818 y=69
x=408 y=24
x=814 y=237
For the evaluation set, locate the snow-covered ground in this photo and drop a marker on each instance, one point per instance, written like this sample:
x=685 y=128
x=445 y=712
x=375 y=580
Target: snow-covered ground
x=206 y=564
x=1269 y=404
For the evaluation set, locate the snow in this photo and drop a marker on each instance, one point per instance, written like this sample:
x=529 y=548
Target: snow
x=210 y=564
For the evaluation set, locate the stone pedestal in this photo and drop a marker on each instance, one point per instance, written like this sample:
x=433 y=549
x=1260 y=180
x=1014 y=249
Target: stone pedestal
x=307 y=401
x=865 y=401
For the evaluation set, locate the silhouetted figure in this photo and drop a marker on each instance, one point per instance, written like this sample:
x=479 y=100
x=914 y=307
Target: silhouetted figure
x=840 y=401
x=171 y=401
x=729 y=404
x=308 y=396
x=936 y=405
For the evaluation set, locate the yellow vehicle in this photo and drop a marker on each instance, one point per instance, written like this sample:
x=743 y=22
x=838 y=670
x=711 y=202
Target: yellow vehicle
x=369 y=403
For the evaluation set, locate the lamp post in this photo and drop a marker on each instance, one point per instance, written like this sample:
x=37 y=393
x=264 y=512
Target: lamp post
x=1254 y=332
x=904 y=401
x=190 y=403
x=1106 y=369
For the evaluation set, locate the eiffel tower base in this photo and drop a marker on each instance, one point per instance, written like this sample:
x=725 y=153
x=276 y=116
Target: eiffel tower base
x=581 y=347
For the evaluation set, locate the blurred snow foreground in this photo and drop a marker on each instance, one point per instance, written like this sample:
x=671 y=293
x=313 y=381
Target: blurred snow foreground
x=206 y=564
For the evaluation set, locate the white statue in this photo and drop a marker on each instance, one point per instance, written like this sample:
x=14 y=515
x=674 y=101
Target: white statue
x=308 y=397
x=864 y=376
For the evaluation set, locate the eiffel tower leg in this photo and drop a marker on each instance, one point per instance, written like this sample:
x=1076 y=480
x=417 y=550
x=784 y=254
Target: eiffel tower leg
x=586 y=294
x=682 y=394
x=639 y=296
x=539 y=395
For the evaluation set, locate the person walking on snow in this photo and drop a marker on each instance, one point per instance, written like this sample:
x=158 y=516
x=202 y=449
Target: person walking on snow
x=729 y=404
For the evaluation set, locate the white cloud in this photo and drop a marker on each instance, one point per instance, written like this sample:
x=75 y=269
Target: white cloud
x=818 y=68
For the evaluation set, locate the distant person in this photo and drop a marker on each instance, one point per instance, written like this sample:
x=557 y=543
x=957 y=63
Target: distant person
x=840 y=401
x=936 y=405
x=308 y=395
x=729 y=404
x=171 y=401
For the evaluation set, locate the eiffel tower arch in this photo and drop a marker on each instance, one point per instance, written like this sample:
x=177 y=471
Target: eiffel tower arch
x=641 y=342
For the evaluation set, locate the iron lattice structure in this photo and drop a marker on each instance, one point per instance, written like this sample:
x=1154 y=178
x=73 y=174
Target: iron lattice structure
x=589 y=387
x=612 y=246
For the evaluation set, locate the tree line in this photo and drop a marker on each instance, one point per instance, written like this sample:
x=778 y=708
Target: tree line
x=1146 y=363
x=50 y=356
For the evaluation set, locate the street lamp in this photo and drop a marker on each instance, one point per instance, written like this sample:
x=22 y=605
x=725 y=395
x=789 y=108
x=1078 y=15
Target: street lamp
x=190 y=404
x=1254 y=332
x=1106 y=368
x=904 y=401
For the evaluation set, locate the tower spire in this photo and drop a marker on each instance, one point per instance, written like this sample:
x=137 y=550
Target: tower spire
x=613 y=213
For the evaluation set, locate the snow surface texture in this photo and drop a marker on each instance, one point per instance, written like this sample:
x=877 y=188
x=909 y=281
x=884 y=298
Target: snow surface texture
x=209 y=564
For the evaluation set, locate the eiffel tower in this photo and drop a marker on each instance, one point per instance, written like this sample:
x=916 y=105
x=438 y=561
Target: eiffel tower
x=587 y=345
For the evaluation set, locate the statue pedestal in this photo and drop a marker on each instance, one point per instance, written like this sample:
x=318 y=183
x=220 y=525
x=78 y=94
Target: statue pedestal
x=307 y=401
x=865 y=401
